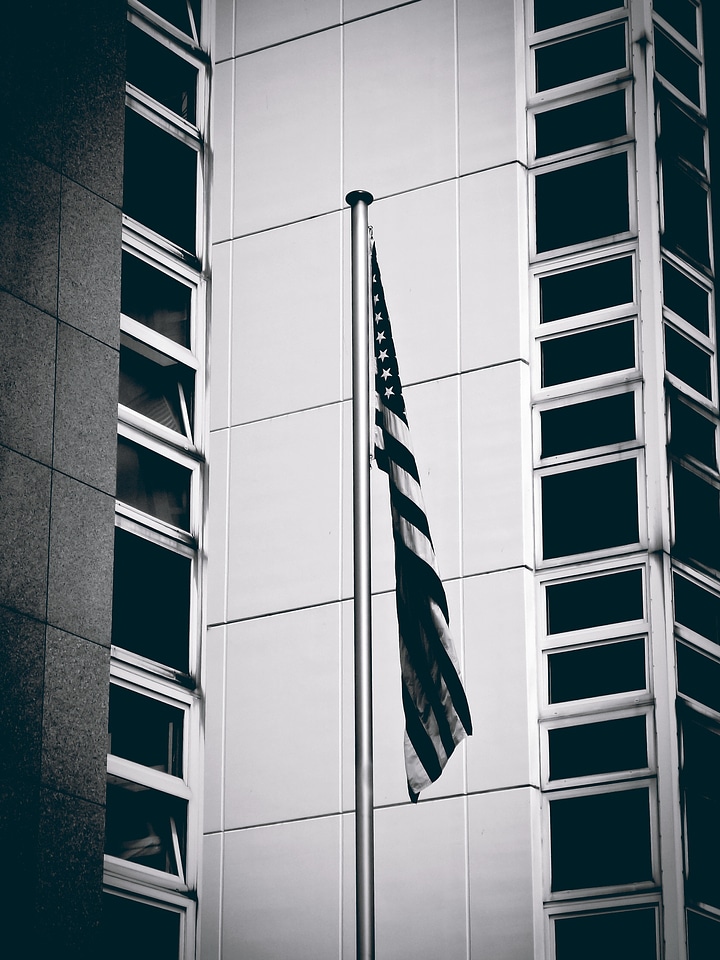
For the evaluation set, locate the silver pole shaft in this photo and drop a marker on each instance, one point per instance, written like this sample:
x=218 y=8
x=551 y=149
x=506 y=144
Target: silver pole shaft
x=359 y=201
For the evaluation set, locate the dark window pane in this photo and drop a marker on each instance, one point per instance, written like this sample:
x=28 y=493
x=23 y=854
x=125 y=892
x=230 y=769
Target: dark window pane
x=156 y=386
x=697 y=521
x=589 y=509
x=582 y=202
x=594 y=423
x=594 y=748
x=697 y=609
x=625 y=935
x=598 y=671
x=680 y=14
x=155 y=299
x=685 y=298
x=160 y=181
x=600 y=840
x=680 y=136
x=145 y=932
x=688 y=362
x=698 y=676
x=586 y=289
x=145 y=826
x=672 y=63
x=145 y=730
x=579 y=124
x=151 y=601
x=703 y=936
x=162 y=74
x=550 y=13
x=685 y=208
x=178 y=12
x=701 y=757
x=585 y=56
x=692 y=434
x=703 y=847
x=588 y=354
x=593 y=601
x=153 y=484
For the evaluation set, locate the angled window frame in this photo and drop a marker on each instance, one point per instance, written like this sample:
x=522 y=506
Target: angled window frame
x=160 y=898
x=706 y=582
x=592 y=907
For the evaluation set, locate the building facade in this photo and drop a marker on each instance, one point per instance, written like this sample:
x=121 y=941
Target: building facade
x=176 y=490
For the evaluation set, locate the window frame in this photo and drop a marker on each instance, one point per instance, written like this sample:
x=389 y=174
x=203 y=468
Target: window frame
x=129 y=888
x=591 y=907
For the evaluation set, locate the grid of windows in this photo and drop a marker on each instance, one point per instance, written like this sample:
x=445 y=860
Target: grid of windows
x=152 y=825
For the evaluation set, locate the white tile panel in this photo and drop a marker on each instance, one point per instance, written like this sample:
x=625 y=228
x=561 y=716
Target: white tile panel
x=217 y=527
x=260 y=23
x=223 y=45
x=493 y=267
x=496 y=469
x=223 y=132
x=287 y=133
x=210 y=912
x=284 y=523
x=500 y=682
x=219 y=340
x=282 y=753
x=282 y=891
x=399 y=114
x=287 y=321
x=502 y=874
x=213 y=758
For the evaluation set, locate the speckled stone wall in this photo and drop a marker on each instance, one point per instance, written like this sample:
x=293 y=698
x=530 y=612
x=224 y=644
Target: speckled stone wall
x=61 y=158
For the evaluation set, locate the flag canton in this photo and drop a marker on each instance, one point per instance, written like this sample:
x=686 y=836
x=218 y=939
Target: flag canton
x=387 y=377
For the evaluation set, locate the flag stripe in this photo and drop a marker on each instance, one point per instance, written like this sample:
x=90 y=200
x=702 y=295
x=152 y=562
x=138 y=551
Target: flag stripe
x=437 y=716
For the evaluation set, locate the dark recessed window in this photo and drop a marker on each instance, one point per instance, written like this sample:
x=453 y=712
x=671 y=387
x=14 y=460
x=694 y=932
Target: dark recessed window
x=155 y=385
x=681 y=14
x=701 y=784
x=590 y=509
x=703 y=936
x=151 y=601
x=582 y=202
x=155 y=299
x=152 y=483
x=681 y=136
x=697 y=609
x=180 y=13
x=697 y=521
x=588 y=749
x=586 y=289
x=145 y=826
x=688 y=362
x=579 y=124
x=623 y=935
x=685 y=210
x=589 y=353
x=588 y=55
x=551 y=13
x=131 y=927
x=598 y=671
x=162 y=74
x=698 y=676
x=692 y=434
x=593 y=423
x=593 y=601
x=160 y=181
x=600 y=840
x=145 y=730
x=676 y=66
x=685 y=298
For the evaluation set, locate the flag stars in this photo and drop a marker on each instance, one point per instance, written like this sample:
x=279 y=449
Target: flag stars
x=386 y=373
x=389 y=392
x=383 y=355
x=378 y=317
x=380 y=337
x=376 y=298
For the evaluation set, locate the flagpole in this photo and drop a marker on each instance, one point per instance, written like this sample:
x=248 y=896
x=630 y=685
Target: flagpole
x=359 y=201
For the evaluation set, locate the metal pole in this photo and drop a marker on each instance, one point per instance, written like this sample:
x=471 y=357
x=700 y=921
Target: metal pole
x=359 y=201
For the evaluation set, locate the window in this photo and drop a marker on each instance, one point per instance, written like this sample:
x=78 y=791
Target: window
x=680 y=135
x=145 y=826
x=680 y=14
x=700 y=779
x=167 y=77
x=592 y=423
x=183 y=14
x=685 y=297
x=586 y=289
x=136 y=927
x=155 y=299
x=156 y=386
x=146 y=730
x=551 y=13
x=697 y=517
x=703 y=936
x=582 y=202
x=628 y=934
x=602 y=670
x=685 y=360
x=589 y=509
x=593 y=601
x=698 y=676
x=600 y=839
x=605 y=746
x=153 y=484
x=580 y=124
x=590 y=353
x=588 y=55
x=677 y=66
x=685 y=213
x=691 y=433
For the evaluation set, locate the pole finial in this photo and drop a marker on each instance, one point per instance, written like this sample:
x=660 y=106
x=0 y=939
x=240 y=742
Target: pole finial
x=355 y=196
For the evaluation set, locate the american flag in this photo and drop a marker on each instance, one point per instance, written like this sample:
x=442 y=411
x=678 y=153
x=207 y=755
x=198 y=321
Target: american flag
x=437 y=716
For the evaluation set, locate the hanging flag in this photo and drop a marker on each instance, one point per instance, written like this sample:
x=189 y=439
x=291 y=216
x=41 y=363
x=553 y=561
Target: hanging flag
x=437 y=716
